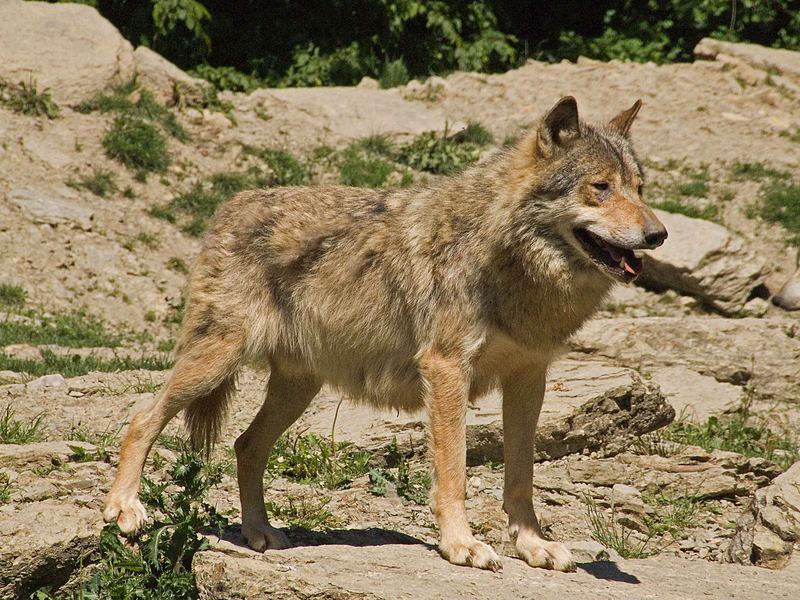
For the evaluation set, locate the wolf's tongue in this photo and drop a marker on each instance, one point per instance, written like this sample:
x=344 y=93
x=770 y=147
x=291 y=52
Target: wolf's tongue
x=633 y=265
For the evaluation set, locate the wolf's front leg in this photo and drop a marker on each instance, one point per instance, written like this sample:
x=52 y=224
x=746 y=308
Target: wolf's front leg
x=447 y=406
x=522 y=401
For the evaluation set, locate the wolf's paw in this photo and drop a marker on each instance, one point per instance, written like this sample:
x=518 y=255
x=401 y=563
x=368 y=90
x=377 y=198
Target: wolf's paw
x=538 y=552
x=263 y=536
x=129 y=513
x=471 y=553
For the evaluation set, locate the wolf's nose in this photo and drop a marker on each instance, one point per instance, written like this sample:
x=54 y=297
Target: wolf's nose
x=656 y=236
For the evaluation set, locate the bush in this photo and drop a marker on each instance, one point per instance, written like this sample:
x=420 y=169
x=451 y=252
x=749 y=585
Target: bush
x=26 y=99
x=437 y=153
x=137 y=144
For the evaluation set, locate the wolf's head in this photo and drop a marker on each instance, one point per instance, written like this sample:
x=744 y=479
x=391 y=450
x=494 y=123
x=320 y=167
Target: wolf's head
x=587 y=183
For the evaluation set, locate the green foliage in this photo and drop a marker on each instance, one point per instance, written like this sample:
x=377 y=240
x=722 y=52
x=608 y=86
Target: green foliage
x=708 y=212
x=363 y=169
x=5 y=488
x=394 y=73
x=682 y=196
x=438 y=153
x=169 y=14
x=178 y=265
x=413 y=485
x=12 y=295
x=674 y=515
x=76 y=329
x=25 y=98
x=736 y=434
x=15 y=431
x=755 y=171
x=137 y=144
x=76 y=365
x=302 y=512
x=285 y=169
x=160 y=567
x=312 y=459
x=780 y=203
x=311 y=67
x=101 y=182
x=228 y=78
x=474 y=133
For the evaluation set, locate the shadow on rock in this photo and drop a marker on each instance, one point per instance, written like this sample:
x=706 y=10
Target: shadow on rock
x=609 y=571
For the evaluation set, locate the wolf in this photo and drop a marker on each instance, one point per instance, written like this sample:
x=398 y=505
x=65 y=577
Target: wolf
x=419 y=298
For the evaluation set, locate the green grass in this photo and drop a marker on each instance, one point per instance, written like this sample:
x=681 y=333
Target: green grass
x=101 y=182
x=77 y=330
x=15 y=431
x=474 y=133
x=25 y=98
x=437 y=153
x=178 y=265
x=74 y=365
x=158 y=566
x=119 y=101
x=12 y=295
x=413 y=485
x=736 y=434
x=675 y=514
x=605 y=530
x=755 y=171
x=5 y=488
x=302 y=512
x=315 y=460
x=151 y=240
x=285 y=169
x=137 y=144
x=393 y=74
x=780 y=203
x=362 y=169
x=198 y=204
x=708 y=212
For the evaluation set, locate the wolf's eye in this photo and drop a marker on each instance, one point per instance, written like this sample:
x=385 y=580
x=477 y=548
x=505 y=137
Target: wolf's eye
x=601 y=186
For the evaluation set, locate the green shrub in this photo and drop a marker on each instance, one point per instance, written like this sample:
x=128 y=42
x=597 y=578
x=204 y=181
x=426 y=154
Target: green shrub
x=137 y=144
x=362 y=169
x=393 y=74
x=309 y=514
x=26 y=99
x=437 y=153
x=228 y=78
x=101 y=182
x=474 y=133
x=285 y=169
x=12 y=295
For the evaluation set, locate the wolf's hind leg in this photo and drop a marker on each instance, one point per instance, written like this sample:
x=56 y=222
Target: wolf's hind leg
x=205 y=373
x=523 y=394
x=287 y=397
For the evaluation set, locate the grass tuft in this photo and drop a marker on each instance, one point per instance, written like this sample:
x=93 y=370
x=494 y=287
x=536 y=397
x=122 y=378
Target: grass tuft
x=308 y=514
x=606 y=531
x=393 y=74
x=77 y=330
x=412 y=485
x=137 y=144
x=474 y=133
x=75 y=365
x=101 y=182
x=780 y=203
x=25 y=98
x=437 y=153
x=285 y=169
x=15 y=431
x=12 y=295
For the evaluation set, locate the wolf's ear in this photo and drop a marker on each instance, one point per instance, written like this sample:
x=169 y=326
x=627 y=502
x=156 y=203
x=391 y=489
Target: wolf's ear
x=623 y=121
x=559 y=125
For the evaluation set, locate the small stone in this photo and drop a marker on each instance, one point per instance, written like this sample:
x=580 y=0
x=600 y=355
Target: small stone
x=47 y=381
x=788 y=298
x=588 y=551
x=757 y=307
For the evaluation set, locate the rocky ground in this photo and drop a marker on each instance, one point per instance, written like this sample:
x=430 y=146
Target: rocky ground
x=639 y=500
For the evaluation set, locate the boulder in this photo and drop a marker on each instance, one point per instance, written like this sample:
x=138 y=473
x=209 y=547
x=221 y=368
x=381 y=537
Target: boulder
x=169 y=84
x=395 y=571
x=588 y=406
x=763 y=352
x=44 y=208
x=43 y=544
x=68 y=48
x=705 y=260
x=783 y=62
x=21 y=457
x=770 y=527
x=696 y=397
x=788 y=298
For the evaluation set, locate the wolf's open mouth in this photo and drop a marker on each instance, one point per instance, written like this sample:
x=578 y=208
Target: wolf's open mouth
x=620 y=262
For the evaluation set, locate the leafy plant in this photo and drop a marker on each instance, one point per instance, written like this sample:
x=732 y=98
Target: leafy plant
x=284 y=168
x=312 y=459
x=437 y=153
x=15 y=431
x=25 y=98
x=302 y=512
x=228 y=78
x=413 y=485
x=393 y=74
x=362 y=169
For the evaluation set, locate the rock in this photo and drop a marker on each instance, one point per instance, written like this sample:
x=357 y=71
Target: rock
x=352 y=113
x=169 y=84
x=788 y=297
x=22 y=457
x=705 y=260
x=54 y=380
x=23 y=352
x=588 y=406
x=43 y=544
x=696 y=397
x=770 y=527
x=68 y=48
x=785 y=62
x=764 y=352
x=584 y=551
x=755 y=307
x=395 y=571
x=42 y=208
x=368 y=83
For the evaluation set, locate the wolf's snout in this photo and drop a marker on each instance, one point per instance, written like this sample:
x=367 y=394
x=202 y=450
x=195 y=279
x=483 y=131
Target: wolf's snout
x=656 y=236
